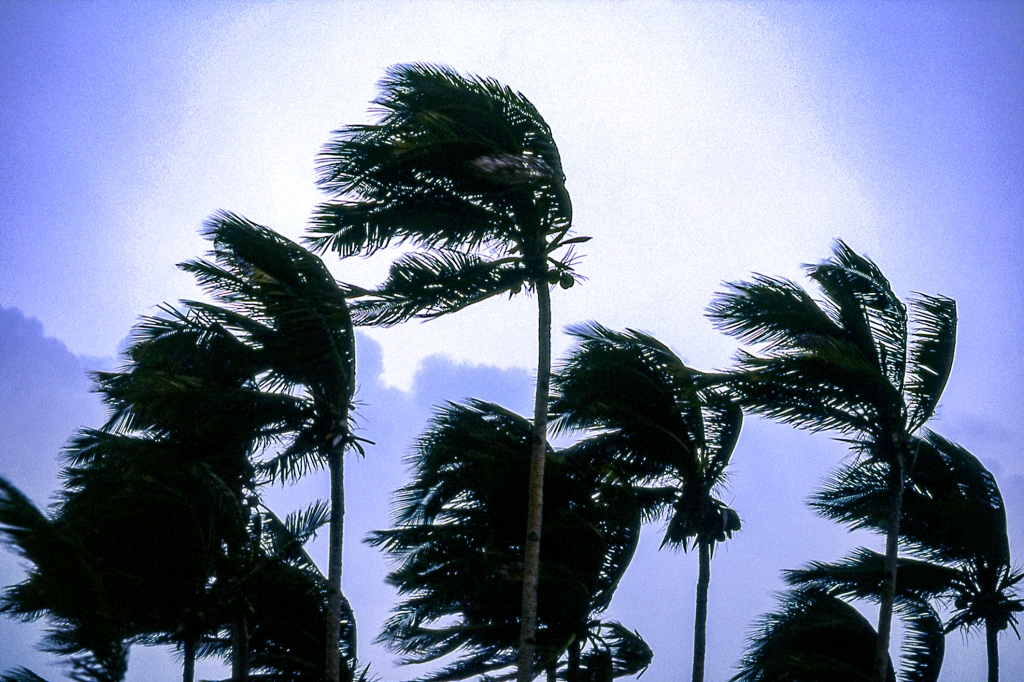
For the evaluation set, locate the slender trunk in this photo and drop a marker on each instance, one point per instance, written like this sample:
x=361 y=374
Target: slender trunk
x=992 y=642
x=531 y=561
x=572 y=673
x=188 y=672
x=700 y=621
x=240 y=650
x=336 y=464
x=552 y=674
x=892 y=537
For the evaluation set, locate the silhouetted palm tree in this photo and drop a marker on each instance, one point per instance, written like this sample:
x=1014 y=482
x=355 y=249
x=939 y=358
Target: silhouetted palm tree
x=282 y=300
x=459 y=542
x=848 y=364
x=271 y=361
x=467 y=170
x=954 y=524
x=812 y=636
x=66 y=584
x=665 y=427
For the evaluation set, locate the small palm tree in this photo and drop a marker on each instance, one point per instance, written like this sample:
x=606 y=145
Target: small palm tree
x=467 y=170
x=953 y=524
x=459 y=543
x=848 y=364
x=812 y=636
x=665 y=427
x=68 y=585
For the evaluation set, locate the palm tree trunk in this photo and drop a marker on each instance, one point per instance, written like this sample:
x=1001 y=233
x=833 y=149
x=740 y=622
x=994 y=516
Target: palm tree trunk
x=572 y=673
x=700 y=621
x=336 y=464
x=240 y=650
x=888 y=596
x=531 y=561
x=188 y=672
x=992 y=643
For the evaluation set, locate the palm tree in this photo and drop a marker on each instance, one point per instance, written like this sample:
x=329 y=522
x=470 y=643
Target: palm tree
x=812 y=636
x=282 y=299
x=65 y=583
x=847 y=364
x=467 y=170
x=272 y=359
x=954 y=525
x=458 y=544
x=665 y=427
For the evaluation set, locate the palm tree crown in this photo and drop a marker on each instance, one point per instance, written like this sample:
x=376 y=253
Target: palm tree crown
x=465 y=168
x=458 y=540
x=954 y=525
x=664 y=427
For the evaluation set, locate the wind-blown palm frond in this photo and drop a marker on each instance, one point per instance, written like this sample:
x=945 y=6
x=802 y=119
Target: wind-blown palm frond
x=930 y=356
x=436 y=283
x=459 y=542
x=860 y=576
x=811 y=636
x=451 y=161
x=21 y=674
x=68 y=585
x=953 y=519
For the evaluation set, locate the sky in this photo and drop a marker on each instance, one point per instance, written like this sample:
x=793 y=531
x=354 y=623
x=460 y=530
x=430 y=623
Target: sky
x=701 y=143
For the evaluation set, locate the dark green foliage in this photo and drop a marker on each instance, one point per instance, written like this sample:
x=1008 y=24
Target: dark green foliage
x=860 y=576
x=849 y=363
x=953 y=517
x=459 y=543
x=812 y=637
x=661 y=425
x=464 y=168
x=68 y=584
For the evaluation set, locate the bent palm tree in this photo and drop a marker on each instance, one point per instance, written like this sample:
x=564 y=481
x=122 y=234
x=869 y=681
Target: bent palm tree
x=459 y=544
x=664 y=426
x=954 y=524
x=848 y=364
x=467 y=170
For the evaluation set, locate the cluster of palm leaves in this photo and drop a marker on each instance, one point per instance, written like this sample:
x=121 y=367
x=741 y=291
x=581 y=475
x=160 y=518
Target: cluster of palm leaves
x=507 y=550
x=159 y=535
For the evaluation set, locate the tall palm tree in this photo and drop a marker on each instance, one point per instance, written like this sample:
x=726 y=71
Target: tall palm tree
x=665 y=427
x=812 y=636
x=848 y=364
x=953 y=524
x=458 y=542
x=271 y=360
x=467 y=170
x=282 y=299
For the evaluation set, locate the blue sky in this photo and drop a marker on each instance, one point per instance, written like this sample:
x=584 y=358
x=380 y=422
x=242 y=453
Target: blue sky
x=702 y=142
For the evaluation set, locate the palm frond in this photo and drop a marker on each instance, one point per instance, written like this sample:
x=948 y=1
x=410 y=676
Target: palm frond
x=435 y=283
x=812 y=635
x=924 y=645
x=458 y=542
x=932 y=346
x=863 y=302
x=21 y=674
